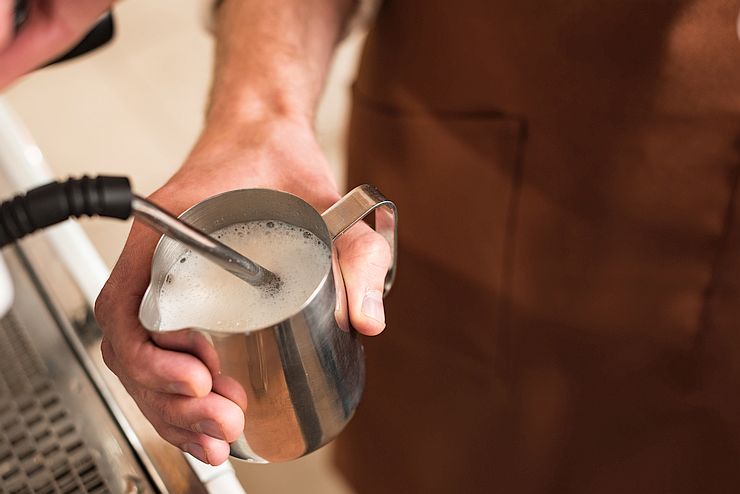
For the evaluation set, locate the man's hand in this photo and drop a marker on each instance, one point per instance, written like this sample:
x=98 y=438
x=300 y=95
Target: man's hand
x=51 y=28
x=176 y=383
x=271 y=61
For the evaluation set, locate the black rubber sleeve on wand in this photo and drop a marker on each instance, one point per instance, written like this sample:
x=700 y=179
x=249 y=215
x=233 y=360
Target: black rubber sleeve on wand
x=57 y=201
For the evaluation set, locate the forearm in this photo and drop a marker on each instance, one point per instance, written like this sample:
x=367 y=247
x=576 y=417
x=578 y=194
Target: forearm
x=272 y=57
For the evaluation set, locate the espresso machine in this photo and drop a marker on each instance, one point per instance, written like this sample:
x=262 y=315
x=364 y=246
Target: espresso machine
x=66 y=423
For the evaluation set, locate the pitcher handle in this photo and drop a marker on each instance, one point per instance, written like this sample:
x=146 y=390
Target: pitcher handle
x=357 y=204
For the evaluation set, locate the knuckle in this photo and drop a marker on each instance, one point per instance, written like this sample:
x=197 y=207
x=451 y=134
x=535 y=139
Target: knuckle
x=169 y=416
x=233 y=420
x=135 y=374
x=364 y=244
x=375 y=240
x=225 y=413
x=131 y=364
x=380 y=251
x=164 y=408
x=146 y=404
x=234 y=424
x=138 y=375
x=211 y=408
x=376 y=255
x=167 y=432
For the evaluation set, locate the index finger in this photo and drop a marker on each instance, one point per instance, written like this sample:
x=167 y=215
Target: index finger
x=157 y=369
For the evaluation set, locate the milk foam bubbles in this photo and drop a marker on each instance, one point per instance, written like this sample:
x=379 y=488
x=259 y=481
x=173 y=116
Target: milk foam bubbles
x=197 y=293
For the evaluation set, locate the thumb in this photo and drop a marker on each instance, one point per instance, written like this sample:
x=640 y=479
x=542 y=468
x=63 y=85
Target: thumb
x=364 y=257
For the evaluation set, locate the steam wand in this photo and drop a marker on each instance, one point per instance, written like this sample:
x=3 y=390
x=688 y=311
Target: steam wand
x=112 y=197
x=205 y=245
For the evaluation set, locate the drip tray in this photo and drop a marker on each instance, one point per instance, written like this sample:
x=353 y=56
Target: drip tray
x=41 y=450
x=56 y=434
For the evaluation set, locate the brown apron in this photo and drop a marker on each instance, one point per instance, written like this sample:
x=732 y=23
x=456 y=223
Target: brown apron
x=566 y=312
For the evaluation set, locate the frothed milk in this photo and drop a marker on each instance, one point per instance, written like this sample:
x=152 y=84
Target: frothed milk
x=197 y=293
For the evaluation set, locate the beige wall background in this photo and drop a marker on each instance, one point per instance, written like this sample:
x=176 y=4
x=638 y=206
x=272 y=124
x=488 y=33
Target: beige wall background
x=135 y=108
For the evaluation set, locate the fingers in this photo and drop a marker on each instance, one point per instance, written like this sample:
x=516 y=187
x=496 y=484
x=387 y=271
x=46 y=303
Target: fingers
x=38 y=41
x=213 y=415
x=202 y=426
x=142 y=362
x=129 y=349
x=364 y=257
x=51 y=29
x=6 y=23
x=190 y=342
x=230 y=388
x=202 y=446
x=174 y=380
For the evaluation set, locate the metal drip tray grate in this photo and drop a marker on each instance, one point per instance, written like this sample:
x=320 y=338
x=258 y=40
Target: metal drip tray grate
x=41 y=450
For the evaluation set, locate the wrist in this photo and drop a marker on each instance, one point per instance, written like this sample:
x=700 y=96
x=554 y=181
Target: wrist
x=278 y=152
x=232 y=130
x=250 y=106
x=251 y=135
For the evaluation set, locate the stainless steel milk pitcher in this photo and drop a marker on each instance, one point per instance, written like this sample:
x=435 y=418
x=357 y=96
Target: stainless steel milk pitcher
x=304 y=376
